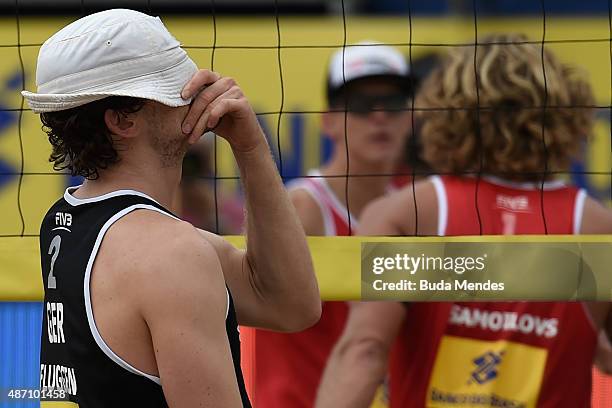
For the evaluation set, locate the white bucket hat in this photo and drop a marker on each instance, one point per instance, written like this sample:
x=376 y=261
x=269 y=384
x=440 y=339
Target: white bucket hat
x=115 y=52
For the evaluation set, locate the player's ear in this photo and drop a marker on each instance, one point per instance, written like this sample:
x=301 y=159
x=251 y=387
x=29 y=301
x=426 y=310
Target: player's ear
x=119 y=123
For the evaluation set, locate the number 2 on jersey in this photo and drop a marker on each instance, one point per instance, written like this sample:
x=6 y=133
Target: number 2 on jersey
x=54 y=252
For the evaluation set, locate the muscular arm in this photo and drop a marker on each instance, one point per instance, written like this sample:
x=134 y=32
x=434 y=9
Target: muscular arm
x=279 y=290
x=358 y=362
x=276 y=264
x=273 y=282
x=234 y=260
x=277 y=244
x=181 y=295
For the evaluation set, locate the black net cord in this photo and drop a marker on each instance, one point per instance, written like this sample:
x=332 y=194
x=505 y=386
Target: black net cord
x=216 y=177
x=544 y=146
x=346 y=139
x=392 y=44
x=418 y=173
x=19 y=124
x=282 y=88
x=478 y=135
x=610 y=110
x=412 y=142
x=416 y=108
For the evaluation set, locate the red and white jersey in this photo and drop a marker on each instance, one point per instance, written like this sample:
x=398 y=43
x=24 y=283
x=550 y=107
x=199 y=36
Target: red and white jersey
x=335 y=214
x=497 y=354
x=506 y=208
x=289 y=367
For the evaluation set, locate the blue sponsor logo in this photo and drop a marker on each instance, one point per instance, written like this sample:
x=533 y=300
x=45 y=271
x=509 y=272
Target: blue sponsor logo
x=487 y=366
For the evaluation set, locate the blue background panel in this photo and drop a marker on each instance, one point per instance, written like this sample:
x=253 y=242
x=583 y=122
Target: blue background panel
x=20 y=325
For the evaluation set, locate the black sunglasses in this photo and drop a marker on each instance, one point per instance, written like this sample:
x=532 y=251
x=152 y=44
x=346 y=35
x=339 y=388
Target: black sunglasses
x=363 y=104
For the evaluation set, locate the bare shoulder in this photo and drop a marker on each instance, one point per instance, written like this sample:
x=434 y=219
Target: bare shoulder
x=175 y=285
x=308 y=211
x=596 y=219
x=157 y=253
x=398 y=213
x=151 y=232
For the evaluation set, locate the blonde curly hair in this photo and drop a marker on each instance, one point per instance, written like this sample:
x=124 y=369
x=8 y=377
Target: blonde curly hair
x=510 y=114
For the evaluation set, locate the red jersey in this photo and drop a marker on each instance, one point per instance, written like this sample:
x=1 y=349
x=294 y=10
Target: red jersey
x=497 y=354
x=289 y=367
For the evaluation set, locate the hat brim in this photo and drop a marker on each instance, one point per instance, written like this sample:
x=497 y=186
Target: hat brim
x=163 y=86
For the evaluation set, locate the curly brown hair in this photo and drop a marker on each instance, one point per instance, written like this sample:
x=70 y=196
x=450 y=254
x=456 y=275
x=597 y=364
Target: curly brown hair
x=80 y=139
x=505 y=121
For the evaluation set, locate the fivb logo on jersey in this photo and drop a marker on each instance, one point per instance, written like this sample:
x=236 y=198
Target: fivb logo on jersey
x=63 y=219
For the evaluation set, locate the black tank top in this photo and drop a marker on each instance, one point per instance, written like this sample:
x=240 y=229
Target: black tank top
x=74 y=358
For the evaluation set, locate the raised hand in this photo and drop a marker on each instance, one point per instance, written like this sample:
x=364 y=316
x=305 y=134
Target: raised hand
x=219 y=104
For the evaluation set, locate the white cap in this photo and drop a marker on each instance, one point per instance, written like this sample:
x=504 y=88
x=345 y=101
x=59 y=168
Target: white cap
x=115 y=52
x=365 y=59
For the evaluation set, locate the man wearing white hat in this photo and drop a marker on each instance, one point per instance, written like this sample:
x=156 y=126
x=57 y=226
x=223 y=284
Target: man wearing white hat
x=368 y=90
x=141 y=308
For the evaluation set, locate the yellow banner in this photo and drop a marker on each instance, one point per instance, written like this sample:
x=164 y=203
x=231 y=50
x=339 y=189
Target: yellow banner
x=337 y=261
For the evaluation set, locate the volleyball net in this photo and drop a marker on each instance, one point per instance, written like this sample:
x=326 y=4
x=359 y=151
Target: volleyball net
x=280 y=62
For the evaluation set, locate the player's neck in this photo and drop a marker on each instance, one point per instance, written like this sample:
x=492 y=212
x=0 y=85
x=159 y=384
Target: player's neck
x=161 y=184
x=363 y=184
